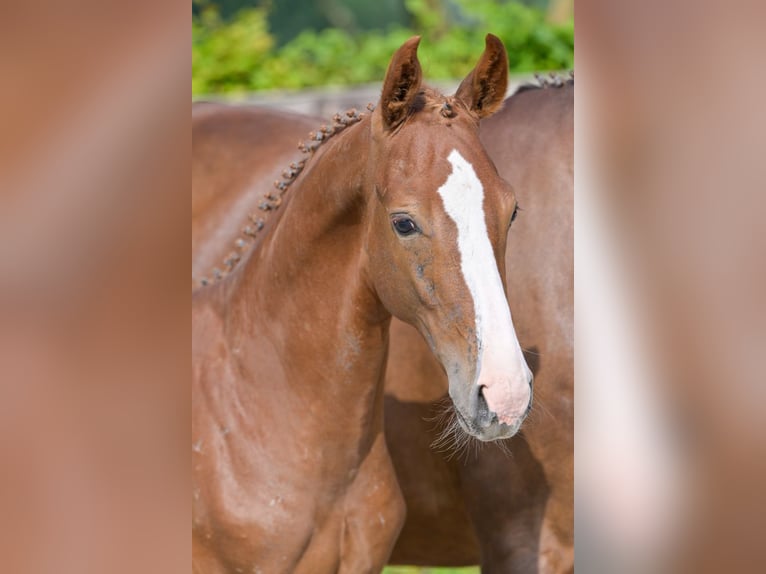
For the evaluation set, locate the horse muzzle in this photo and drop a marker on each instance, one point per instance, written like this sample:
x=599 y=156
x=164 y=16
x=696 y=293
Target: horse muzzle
x=495 y=411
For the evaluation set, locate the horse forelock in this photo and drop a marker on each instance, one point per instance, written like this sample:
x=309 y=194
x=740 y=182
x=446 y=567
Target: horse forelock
x=430 y=100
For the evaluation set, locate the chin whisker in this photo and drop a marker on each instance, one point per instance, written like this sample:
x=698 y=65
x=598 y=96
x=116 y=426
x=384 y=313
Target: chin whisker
x=504 y=447
x=454 y=442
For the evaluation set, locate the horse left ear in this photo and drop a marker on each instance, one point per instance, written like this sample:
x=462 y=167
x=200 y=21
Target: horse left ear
x=483 y=90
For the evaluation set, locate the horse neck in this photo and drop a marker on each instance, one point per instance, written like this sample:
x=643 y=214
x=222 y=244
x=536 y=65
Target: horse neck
x=306 y=286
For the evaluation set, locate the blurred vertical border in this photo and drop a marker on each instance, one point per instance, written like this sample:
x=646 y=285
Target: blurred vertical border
x=669 y=287
x=94 y=320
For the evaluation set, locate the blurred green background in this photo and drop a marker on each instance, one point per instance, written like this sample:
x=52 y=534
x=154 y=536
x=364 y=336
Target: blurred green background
x=241 y=46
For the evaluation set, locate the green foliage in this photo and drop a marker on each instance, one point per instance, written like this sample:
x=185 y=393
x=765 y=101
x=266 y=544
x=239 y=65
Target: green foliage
x=241 y=55
x=532 y=43
x=230 y=57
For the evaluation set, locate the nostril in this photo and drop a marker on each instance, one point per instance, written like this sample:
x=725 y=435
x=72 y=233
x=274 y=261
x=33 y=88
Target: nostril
x=531 y=397
x=482 y=408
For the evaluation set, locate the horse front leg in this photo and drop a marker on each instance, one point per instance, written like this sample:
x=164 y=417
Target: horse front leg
x=556 y=537
x=375 y=512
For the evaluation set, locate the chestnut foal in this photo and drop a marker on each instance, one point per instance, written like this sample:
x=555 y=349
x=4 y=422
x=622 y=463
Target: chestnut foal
x=508 y=513
x=400 y=214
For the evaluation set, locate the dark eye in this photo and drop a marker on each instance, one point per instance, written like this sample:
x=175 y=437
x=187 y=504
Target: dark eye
x=515 y=213
x=404 y=225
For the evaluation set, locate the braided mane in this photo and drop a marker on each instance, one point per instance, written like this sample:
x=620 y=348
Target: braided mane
x=273 y=199
x=552 y=81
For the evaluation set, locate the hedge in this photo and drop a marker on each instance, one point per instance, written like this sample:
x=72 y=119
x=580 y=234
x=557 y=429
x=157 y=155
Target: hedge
x=241 y=55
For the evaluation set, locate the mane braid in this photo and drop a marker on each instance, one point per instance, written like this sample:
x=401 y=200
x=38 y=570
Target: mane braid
x=272 y=200
x=552 y=81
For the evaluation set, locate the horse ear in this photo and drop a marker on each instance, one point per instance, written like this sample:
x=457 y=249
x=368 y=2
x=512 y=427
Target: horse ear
x=401 y=85
x=483 y=90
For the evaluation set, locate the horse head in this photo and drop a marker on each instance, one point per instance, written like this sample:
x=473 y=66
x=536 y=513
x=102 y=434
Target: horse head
x=437 y=237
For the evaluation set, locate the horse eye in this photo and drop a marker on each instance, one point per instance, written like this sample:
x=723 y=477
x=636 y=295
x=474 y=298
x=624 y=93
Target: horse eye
x=404 y=226
x=515 y=213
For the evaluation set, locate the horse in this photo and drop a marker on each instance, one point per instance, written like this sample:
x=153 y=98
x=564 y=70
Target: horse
x=401 y=213
x=508 y=513
x=521 y=509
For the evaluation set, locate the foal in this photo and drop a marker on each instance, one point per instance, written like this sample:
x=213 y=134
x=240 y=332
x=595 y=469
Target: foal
x=400 y=214
x=510 y=513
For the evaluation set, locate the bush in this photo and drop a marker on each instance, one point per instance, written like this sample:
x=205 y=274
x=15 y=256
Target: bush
x=229 y=57
x=242 y=56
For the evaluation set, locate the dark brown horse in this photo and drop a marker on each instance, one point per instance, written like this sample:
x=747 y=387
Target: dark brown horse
x=510 y=514
x=401 y=213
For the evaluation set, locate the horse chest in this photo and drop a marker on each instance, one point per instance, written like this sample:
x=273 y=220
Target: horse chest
x=264 y=525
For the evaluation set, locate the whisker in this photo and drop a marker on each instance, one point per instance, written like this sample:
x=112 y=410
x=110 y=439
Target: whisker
x=504 y=448
x=456 y=444
x=540 y=408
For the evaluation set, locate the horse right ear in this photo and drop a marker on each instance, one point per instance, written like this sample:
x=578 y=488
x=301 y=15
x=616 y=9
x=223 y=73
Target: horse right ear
x=483 y=90
x=401 y=85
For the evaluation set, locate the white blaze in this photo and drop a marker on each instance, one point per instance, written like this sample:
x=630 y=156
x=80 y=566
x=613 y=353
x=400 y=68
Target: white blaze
x=500 y=362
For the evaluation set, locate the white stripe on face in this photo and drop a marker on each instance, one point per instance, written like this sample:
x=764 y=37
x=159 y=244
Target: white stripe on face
x=500 y=364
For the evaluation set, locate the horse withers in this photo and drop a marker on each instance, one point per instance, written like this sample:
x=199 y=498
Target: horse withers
x=403 y=214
